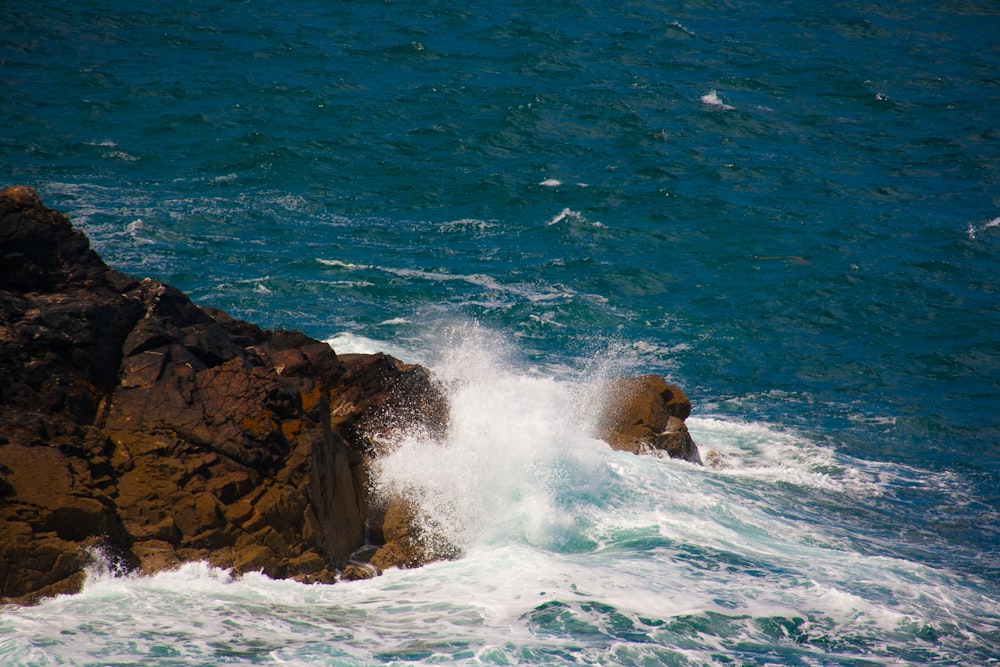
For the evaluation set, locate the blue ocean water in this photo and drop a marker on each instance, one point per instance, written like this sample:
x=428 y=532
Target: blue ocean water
x=789 y=209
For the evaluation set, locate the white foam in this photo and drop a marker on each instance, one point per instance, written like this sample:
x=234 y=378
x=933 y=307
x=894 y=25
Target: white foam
x=761 y=451
x=555 y=183
x=529 y=291
x=479 y=279
x=348 y=342
x=972 y=230
x=484 y=603
x=135 y=229
x=519 y=462
x=122 y=155
x=570 y=215
x=511 y=439
x=547 y=514
x=711 y=98
x=562 y=215
x=342 y=265
x=465 y=224
x=677 y=26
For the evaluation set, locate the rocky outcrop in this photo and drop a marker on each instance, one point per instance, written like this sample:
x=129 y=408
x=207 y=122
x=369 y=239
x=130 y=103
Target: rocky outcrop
x=645 y=415
x=136 y=422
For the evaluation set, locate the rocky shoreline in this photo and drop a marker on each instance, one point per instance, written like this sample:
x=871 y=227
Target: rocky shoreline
x=137 y=423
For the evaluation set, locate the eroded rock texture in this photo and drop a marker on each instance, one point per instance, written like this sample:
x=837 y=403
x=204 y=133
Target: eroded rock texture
x=136 y=421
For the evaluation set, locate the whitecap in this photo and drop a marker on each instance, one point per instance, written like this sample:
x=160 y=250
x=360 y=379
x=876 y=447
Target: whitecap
x=122 y=155
x=134 y=229
x=676 y=25
x=555 y=183
x=292 y=202
x=546 y=318
x=972 y=230
x=530 y=292
x=766 y=453
x=572 y=216
x=712 y=98
x=342 y=265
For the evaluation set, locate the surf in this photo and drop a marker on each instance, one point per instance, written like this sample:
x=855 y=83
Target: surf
x=560 y=550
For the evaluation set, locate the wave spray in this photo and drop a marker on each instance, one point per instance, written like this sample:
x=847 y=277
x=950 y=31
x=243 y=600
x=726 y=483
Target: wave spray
x=518 y=447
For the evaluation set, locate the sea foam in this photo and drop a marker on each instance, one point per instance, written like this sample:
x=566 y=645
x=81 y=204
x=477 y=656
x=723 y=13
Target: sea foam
x=711 y=98
x=571 y=552
x=514 y=441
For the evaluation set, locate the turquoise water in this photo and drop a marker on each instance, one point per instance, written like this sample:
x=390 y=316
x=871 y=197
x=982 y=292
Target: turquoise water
x=790 y=210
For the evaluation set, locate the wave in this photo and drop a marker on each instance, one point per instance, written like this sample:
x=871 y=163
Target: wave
x=466 y=224
x=973 y=230
x=712 y=99
x=572 y=554
x=353 y=343
x=531 y=292
x=572 y=217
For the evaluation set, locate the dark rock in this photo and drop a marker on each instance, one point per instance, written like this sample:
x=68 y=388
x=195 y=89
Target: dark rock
x=139 y=423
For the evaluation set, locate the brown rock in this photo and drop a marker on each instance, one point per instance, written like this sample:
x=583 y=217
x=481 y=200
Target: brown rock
x=155 y=555
x=645 y=415
x=355 y=571
x=165 y=431
x=396 y=529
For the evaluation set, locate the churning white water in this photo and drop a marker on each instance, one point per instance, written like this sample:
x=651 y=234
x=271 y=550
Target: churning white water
x=570 y=553
x=518 y=460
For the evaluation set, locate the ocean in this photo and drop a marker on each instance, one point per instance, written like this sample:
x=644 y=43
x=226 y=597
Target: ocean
x=789 y=209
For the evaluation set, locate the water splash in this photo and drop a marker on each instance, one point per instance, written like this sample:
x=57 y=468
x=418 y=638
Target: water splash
x=574 y=554
x=517 y=446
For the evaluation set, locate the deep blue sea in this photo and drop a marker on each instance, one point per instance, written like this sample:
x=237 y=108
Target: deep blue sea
x=790 y=209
